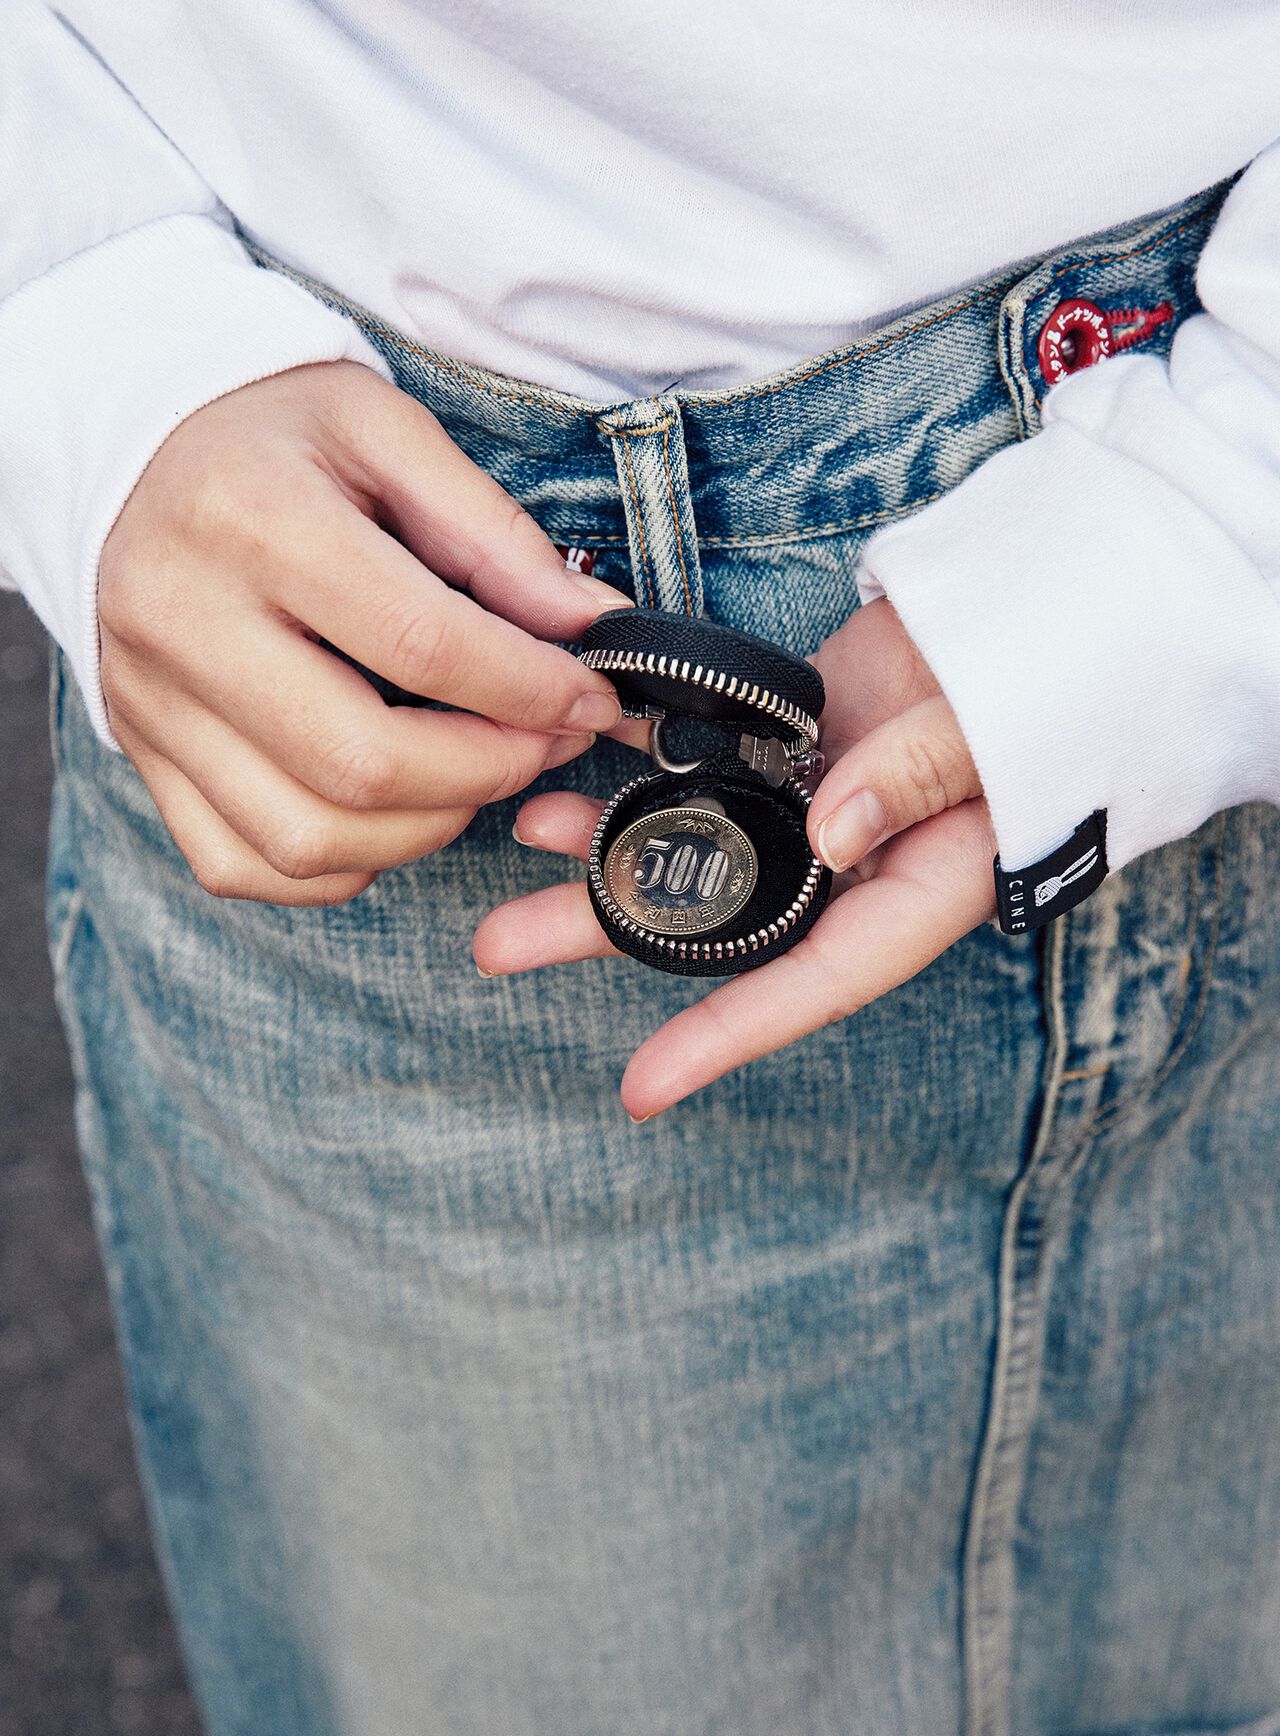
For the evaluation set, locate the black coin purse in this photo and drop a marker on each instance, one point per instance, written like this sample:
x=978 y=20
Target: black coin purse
x=703 y=867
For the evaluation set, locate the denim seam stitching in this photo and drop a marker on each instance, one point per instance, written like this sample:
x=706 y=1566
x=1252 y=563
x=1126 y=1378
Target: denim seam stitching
x=997 y=1484
x=679 y=524
x=649 y=591
x=589 y=540
x=1064 y=269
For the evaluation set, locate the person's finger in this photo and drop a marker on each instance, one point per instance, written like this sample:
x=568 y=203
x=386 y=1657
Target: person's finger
x=910 y=768
x=295 y=831
x=864 y=944
x=367 y=594
x=633 y=732
x=222 y=862
x=458 y=520
x=872 y=670
x=326 y=726
x=555 y=925
x=559 y=821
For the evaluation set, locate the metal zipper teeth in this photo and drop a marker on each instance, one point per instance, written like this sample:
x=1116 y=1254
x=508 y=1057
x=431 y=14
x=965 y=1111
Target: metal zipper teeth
x=704 y=950
x=715 y=681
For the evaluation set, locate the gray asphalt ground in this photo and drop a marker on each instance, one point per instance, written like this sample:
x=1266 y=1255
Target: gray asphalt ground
x=86 y=1646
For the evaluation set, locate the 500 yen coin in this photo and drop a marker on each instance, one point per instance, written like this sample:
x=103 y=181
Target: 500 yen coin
x=683 y=870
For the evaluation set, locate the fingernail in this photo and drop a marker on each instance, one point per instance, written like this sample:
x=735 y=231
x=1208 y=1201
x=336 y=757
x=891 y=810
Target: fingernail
x=487 y=974
x=604 y=596
x=856 y=827
x=595 y=712
x=515 y=833
x=640 y=1120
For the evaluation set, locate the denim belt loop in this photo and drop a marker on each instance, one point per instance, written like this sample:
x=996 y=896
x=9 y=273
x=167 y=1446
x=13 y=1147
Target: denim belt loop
x=653 y=477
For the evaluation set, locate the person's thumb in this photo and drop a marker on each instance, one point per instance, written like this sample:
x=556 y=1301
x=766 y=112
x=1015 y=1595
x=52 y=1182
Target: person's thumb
x=904 y=771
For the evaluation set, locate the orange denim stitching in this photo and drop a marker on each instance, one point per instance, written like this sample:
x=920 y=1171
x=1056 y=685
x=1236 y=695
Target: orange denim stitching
x=1127 y=252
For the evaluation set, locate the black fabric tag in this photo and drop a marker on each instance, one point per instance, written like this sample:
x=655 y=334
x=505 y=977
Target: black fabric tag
x=1057 y=882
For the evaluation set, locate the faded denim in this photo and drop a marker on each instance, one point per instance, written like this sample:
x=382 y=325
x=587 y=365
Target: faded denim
x=921 y=1379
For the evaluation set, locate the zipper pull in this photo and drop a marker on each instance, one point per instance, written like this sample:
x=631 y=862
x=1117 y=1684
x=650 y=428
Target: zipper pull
x=808 y=769
x=777 y=763
x=768 y=756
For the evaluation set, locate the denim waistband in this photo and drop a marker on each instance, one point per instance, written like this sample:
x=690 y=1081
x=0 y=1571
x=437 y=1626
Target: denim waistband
x=835 y=445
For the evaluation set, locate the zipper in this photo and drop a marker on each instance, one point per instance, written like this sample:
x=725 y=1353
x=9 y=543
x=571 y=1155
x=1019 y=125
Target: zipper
x=706 y=951
x=714 y=680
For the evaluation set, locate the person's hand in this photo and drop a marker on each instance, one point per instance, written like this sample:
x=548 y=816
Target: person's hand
x=900 y=807
x=322 y=503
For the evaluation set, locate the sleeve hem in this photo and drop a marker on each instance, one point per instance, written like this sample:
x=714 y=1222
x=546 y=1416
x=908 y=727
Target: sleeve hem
x=100 y=360
x=1103 y=643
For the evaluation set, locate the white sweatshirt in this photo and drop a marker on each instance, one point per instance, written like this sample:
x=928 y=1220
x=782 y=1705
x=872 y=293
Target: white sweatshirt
x=607 y=199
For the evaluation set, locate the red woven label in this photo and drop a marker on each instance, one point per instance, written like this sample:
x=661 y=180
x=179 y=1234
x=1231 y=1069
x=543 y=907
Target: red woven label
x=578 y=560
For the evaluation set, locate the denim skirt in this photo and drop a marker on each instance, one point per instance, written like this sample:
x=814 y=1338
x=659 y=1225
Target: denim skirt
x=923 y=1378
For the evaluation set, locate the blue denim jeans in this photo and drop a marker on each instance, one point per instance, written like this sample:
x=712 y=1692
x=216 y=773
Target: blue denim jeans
x=922 y=1378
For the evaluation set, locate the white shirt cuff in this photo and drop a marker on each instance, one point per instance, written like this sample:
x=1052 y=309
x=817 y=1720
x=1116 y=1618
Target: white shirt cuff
x=100 y=360
x=1104 y=642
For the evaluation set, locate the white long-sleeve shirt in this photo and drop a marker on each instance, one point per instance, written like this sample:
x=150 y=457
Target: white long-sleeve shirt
x=604 y=200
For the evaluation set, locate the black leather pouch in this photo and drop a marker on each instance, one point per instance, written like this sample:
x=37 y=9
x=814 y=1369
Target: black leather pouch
x=703 y=867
